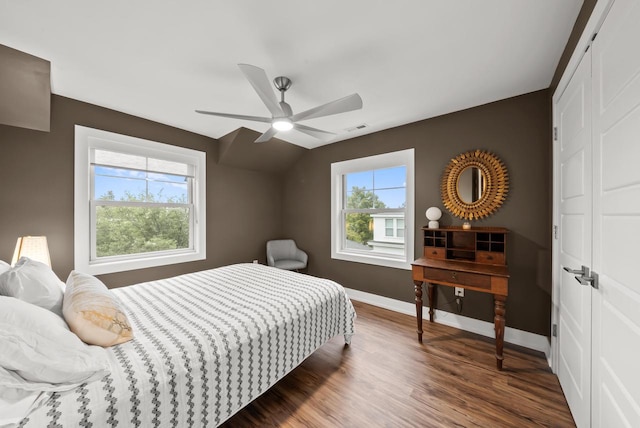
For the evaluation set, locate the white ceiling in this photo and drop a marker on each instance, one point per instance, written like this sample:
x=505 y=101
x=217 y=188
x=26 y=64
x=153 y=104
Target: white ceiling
x=408 y=59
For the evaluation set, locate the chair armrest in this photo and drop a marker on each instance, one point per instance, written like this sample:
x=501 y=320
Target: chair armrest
x=301 y=255
x=270 y=261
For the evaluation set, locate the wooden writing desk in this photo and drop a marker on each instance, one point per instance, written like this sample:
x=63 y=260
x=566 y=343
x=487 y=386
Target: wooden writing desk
x=460 y=259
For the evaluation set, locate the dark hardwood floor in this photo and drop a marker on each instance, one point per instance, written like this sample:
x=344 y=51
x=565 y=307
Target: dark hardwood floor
x=387 y=379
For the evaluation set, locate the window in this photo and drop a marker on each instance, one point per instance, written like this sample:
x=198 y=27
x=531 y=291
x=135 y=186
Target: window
x=372 y=208
x=388 y=231
x=138 y=203
x=394 y=227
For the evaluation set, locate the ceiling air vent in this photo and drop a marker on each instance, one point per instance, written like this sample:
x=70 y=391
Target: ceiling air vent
x=358 y=127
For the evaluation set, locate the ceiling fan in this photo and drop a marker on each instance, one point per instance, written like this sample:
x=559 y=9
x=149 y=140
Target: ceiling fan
x=282 y=117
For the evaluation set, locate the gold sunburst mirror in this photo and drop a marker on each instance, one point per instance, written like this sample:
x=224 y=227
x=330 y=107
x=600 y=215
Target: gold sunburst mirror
x=474 y=185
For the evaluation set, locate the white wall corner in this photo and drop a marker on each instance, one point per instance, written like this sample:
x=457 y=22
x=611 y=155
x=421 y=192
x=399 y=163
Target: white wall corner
x=514 y=336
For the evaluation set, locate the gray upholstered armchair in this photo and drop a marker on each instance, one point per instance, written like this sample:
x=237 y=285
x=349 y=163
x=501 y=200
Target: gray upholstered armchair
x=284 y=254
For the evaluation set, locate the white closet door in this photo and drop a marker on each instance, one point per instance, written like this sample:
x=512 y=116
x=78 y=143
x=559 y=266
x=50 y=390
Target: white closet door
x=616 y=137
x=575 y=174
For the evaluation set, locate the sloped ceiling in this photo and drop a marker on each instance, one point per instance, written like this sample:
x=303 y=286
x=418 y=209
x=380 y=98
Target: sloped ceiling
x=237 y=149
x=408 y=59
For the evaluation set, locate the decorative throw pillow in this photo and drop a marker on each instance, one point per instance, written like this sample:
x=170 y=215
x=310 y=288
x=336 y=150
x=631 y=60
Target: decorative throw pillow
x=37 y=346
x=34 y=282
x=4 y=266
x=93 y=312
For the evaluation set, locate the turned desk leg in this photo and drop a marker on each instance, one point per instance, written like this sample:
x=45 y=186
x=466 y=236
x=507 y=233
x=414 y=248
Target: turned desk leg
x=500 y=309
x=418 y=287
x=431 y=289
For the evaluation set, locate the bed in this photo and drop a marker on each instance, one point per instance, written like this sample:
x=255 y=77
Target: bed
x=206 y=344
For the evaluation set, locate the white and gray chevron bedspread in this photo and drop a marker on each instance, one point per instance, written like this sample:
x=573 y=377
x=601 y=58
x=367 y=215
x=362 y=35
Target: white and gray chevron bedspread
x=206 y=344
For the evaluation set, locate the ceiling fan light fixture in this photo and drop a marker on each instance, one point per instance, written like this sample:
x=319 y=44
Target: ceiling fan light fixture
x=282 y=117
x=282 y=124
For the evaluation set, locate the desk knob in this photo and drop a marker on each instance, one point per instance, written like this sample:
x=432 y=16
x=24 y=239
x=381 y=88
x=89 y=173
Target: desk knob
x=453 y=275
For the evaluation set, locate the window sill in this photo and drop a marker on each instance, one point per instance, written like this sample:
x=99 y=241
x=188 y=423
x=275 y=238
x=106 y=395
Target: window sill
x=103 y=267
x=372 y=260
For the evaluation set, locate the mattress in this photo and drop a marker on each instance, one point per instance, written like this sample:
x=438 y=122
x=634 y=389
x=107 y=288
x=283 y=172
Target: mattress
x=206 y=344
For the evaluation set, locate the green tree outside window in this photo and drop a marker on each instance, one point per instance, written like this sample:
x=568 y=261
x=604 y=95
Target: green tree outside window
x=122 y=230
x=359 y=226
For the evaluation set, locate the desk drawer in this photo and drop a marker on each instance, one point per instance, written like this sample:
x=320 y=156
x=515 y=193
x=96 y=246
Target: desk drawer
x=435 y=253
x=455 y=277
x=490 y=257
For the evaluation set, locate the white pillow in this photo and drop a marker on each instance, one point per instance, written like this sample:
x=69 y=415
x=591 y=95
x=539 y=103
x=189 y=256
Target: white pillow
x=93 y=312
x=33 y=282
x=37 y=346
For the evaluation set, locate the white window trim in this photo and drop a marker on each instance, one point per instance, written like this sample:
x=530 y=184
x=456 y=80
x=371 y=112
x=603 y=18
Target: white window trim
x=89 y=138
x=386 y=160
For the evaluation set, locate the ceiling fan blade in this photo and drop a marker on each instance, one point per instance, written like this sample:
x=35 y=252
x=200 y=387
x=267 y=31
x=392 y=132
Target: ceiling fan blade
x=343 y=105
x=286 y=109
x=317 y=133
x=237 y=116
x=258 y=79
x=267 y=135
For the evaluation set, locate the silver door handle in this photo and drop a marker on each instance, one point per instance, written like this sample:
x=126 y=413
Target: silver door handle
x=583 y=276
x=588 y=280
x=583 y=271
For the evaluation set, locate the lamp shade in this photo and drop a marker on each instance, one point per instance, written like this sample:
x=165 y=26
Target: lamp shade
x=434 y=213
x=34 y=247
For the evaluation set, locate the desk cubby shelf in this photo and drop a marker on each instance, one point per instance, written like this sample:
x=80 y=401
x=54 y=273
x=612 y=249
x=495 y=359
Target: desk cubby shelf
x=487 y=245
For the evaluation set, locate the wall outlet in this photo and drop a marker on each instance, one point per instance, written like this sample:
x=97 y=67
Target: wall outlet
x=255 y=261
x=459 y=292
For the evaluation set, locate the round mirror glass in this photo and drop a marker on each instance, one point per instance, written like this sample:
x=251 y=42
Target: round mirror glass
x=471 y=185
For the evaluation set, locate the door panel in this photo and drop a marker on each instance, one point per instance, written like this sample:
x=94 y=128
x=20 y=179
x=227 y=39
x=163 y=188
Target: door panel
x=620 y=151
x=622 y=268
x=616 y=250
x=574 y=306
x=572 y=174
x=573 y=244
x=572 y=117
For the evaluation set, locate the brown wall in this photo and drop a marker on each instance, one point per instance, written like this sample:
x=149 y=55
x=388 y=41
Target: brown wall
x=25 y=90
x=36 y=172
x=517 y=130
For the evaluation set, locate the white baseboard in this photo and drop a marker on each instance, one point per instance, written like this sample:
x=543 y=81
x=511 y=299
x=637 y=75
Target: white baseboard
x=484 y=328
